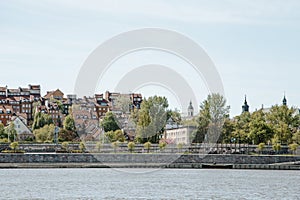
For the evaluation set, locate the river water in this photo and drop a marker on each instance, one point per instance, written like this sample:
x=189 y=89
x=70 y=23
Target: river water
x=148 y=184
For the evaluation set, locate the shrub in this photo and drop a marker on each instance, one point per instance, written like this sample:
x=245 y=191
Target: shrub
x=147 y=146
x=131 y=146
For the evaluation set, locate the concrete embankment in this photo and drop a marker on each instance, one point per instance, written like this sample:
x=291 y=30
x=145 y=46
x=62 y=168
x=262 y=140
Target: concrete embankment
x=194 y=161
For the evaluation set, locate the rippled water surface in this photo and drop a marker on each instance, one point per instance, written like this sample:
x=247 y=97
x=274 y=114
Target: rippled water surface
x=148 y=184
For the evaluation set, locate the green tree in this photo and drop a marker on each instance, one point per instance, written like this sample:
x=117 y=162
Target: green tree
x=261 y=147
x=179 y=146
x=293 y=147
x=65 y=146
x=14 y=146
x=45 y=133
x=227 y=131
x=40 y=120
x=98 y=146
x=285 y=122
x=113 y=136
x=11 y=132
x=147 y=146
x=162 y=145
x=152 y=119
x=67 y=135
x=213 y=113
x=82 y=146
x=131 y=146
x=259 y=130
x=3 y=134
x=69 y=123
x=109 y=123
x=175 y=115
x=242 y=128
x=115 y=146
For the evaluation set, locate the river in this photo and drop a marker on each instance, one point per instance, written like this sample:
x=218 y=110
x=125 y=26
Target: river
x=148 y=184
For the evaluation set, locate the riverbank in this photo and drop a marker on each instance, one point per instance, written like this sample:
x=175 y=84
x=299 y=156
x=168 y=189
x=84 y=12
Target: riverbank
x=187 y=161
x=149 y=165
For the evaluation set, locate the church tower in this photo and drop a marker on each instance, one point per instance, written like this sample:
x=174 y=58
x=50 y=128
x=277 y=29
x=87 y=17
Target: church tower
x=245 y=107
x=190 y=110
x=284 y=101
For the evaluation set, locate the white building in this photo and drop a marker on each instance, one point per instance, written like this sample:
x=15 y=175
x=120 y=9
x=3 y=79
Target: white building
x=180 y=135
x=23 y=131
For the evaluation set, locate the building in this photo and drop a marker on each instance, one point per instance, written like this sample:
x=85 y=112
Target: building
x=180 y=134
x=245 y=107
x=5 y=114
x=190 y=110
x=135 y=100
x=101 y=105
x=33 y=92
x=86 y=119
x=56 y=94
x=23 y=132
x=19 y=101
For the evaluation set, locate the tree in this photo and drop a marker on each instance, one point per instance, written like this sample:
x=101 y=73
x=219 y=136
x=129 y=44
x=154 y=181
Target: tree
x=11 y=132
x=213 y=113
x=98 y=146
x=293 y=147
x=69 y=123
x=175 y=115
x=109 y=123
x=227 y=131
x=261 y=146
x=3 y=134
x=285 y=122
x=162 y=145
x=82 y=146
x=259 y=130
x=113 y=136
x=152 y=119
x=147 y=146
x=14 y=146
x=241 y=128
x=115 y=146
x=179 y=146
x=67 y=135
x=40 y=120
x=45 y=133
x=65 y=146
x=131 y=146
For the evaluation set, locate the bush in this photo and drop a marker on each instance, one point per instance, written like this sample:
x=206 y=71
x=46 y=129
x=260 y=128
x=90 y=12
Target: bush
x=162 y=145
x=65 y=146
x=293 y=147
x=76 y=151
x=147 y=146
x=261 y=146
x=98 y=146
x=131 y=146
x=12 y=151
x=82 y=146
x=14 y=145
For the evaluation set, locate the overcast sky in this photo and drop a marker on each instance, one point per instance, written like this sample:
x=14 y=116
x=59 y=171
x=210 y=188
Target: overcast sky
x=254 y=44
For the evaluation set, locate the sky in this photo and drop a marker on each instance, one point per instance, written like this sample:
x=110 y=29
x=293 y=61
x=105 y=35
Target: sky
x=254 y=44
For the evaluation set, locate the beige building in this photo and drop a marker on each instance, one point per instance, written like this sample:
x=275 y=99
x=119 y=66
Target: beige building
x=180 y=134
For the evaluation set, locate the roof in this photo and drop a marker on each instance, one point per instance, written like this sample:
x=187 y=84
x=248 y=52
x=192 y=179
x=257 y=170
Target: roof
x=53 y=93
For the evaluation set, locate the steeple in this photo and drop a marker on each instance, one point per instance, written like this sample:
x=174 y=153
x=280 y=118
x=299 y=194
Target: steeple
x=245 y=107
x=190 y=110
x=284 y=101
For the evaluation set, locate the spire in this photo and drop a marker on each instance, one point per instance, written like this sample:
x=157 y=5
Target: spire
x=190 y=110
x=284 y=101
x=245 y=107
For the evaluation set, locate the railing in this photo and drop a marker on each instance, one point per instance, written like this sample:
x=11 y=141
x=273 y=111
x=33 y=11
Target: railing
x=93 y=147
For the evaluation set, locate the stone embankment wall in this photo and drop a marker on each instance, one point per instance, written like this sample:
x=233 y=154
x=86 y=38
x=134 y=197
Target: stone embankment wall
x=145 y=158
